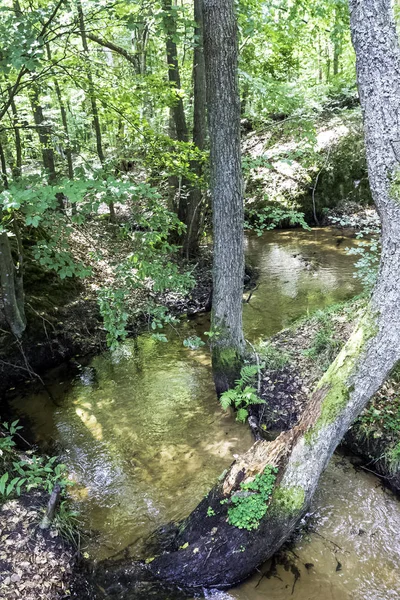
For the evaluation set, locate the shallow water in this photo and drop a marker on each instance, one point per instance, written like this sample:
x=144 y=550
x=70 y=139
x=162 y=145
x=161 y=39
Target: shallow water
x=143 y=435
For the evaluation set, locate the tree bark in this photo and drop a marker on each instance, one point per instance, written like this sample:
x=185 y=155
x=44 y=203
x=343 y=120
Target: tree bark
x=11 y=285
x=208 y=551
x=221 y=56
x=64 y=120
x=177 y=109
x=92 y=98
x=195 y=198
x=3 y=166
x=44 y=134
x=17 y=169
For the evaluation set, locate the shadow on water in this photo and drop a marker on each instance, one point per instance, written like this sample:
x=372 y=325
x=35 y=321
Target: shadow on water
x=144 y=438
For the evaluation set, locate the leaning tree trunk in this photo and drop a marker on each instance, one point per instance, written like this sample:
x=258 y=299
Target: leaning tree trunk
x=209 y=552
x=223 y=104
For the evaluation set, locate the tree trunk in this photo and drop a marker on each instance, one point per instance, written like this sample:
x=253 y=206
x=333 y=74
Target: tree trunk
x=17 y=169
x=64 y=120
x=218 y=554
x=92 y=98
x=11 y=285
x=177 y=109
x=195 y=199
x=223 y=103
x=3 y=166
x=44 y=134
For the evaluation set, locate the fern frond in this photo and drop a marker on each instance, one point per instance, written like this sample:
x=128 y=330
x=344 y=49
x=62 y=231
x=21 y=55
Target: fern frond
x=248 y=373
x=242 y=415
x=227 y=398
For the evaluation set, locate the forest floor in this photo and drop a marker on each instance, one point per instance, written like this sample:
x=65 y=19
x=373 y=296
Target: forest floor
x=34 y=563
x=295 y=360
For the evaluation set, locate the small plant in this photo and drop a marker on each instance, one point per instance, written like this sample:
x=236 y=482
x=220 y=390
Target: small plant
x=210 y=512
x=27 y=473
x=368 y=250
x=193 y=342
x=392 y=457
x=273 y=358
x=243 y=394
x=250 y=504
x=325 y=346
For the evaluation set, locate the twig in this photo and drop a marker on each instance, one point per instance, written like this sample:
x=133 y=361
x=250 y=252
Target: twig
x=258 y=366
x=316 y=183
x=251 y=293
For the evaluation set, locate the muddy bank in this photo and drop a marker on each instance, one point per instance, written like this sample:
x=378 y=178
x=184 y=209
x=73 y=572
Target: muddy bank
x=295 y=360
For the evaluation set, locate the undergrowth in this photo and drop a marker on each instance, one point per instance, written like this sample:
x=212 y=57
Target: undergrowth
x=20 y=474
x=243 y=394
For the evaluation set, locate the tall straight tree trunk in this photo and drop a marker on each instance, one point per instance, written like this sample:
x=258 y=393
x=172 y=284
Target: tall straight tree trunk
x=11 y=286
x=3 y=166
x=17 y=169
x=177 y=109
x=223 y=103
x=92 y=98
x=193 y=211
x=64 y=120
x=44 y=134
x=214 y=553
x=177 y=121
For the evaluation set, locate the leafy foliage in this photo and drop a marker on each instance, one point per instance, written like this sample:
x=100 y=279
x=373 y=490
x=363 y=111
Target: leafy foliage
x=368 y=250
x=270 y=217
x=27 y=473
x=250 y=504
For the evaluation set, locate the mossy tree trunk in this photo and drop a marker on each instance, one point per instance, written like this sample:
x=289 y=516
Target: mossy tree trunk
x=223 y=104
x=210 y=552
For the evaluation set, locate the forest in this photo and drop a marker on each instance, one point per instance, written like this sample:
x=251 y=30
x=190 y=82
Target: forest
x=199 y=339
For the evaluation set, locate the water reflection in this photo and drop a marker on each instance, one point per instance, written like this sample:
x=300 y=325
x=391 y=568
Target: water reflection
x=144 y=437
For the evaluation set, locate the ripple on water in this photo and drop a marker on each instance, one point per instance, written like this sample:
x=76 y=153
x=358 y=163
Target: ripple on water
x=147 y=439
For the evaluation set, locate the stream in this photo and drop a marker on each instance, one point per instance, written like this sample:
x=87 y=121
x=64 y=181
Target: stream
x=144 y=438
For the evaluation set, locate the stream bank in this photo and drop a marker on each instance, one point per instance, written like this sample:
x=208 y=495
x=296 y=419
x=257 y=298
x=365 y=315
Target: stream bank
x=140 y=429
x=295 y=360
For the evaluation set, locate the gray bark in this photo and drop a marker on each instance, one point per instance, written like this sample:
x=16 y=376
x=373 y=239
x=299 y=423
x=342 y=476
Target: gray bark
x=3 y=166
x=372 y=350
x=223 y=103
x=64 y=120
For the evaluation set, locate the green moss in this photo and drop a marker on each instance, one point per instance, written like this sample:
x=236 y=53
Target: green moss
x=336 y=379
x=288 y=500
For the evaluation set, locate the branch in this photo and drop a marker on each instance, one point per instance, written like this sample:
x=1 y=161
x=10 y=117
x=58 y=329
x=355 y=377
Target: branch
x=51 y=18
x=129 y=57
